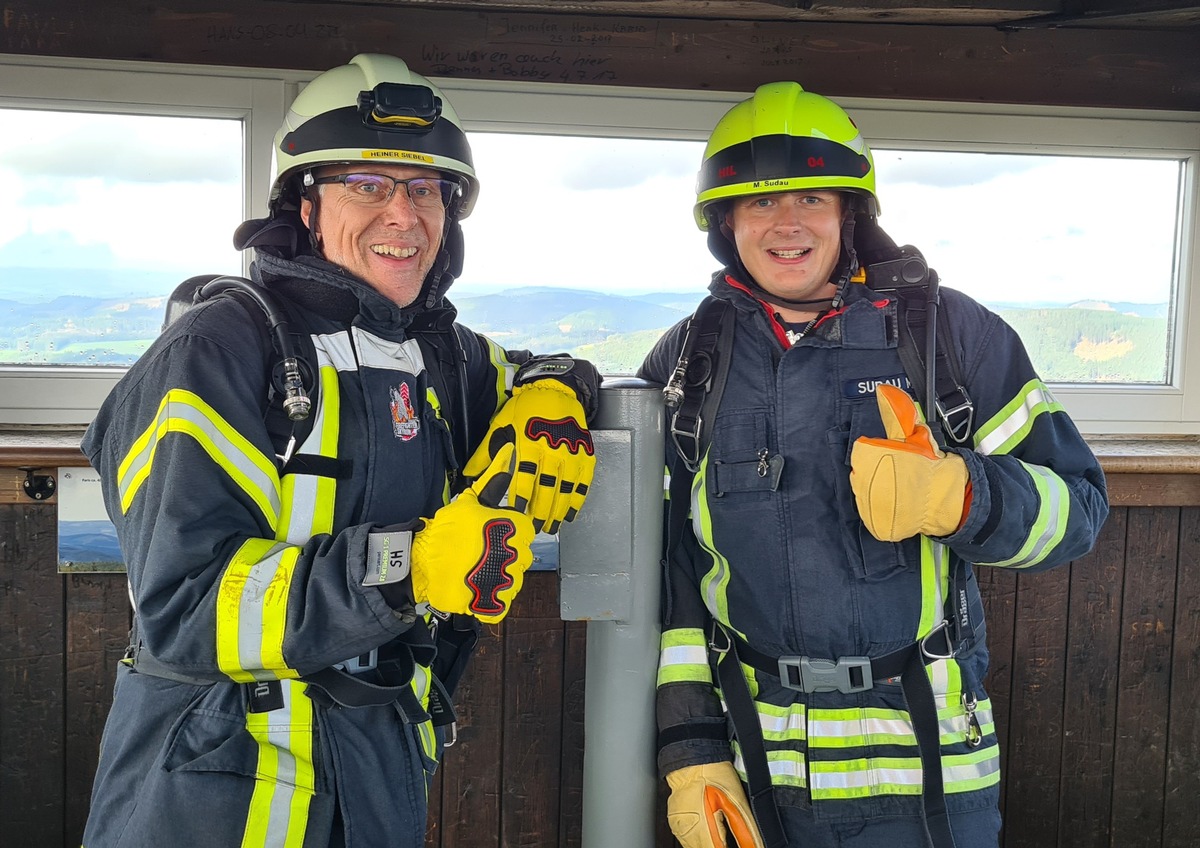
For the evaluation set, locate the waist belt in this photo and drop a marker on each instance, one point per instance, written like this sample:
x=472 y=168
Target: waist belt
x=847 y=675
x=337 y=687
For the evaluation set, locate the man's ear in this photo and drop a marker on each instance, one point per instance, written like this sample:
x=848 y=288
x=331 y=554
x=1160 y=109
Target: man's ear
x=306 y=208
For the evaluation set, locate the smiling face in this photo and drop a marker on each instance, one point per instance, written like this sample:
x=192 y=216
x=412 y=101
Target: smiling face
x=789 y=242
x=391 y=246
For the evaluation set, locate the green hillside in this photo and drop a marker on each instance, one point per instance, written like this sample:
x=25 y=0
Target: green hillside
x=1092 y=345
x=1089 y=342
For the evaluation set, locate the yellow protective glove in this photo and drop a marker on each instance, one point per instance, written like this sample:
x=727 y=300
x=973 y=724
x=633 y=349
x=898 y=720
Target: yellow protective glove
x=471 y=557
x=905 y=485
x=555 y=458
x=709 y=803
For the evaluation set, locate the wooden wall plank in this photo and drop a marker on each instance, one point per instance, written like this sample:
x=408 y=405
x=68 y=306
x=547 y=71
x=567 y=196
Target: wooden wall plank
x=998 y=589
x=1155 y=69
x=1036 y=713
x=1090 y=699
x=532 y=757
x=31 y=678
x=570 y=829
x=97 y=625
x=1181 y=813
x=1144 y=677
x=470 y=801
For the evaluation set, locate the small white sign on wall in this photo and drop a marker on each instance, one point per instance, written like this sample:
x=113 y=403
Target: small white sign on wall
x=87 y=539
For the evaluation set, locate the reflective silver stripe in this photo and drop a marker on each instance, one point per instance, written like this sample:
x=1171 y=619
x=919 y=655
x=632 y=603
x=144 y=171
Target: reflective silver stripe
x=1001 y=434
x=374 y=352
x=684 y=655
x=1054 y=512
x=252 y=624
x=339 y=350
x=309 y=508
x=185 y=412
x=279 y=735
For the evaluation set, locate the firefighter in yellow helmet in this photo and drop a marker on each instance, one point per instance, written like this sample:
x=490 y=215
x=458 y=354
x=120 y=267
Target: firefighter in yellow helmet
x=309 y=505
x=823 y=650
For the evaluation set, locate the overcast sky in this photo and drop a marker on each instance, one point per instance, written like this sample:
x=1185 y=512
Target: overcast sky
x=611 y=215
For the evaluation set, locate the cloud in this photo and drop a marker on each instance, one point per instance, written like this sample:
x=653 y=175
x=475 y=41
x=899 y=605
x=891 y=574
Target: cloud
x=948 y=170
x=120 y=148
x=625 y=163
x=55 y=249
x=581 y=164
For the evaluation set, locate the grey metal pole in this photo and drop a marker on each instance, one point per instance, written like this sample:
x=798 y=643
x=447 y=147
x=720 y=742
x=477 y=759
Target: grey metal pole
x=610 y=577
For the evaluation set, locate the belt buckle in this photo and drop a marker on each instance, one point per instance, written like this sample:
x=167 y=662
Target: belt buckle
x=845 y=674
x=361 y=663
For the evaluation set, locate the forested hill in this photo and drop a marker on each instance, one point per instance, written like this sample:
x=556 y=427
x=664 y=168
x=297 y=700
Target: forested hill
x=1118 y=342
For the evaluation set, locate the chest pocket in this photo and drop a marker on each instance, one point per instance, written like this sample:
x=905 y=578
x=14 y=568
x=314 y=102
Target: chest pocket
x=743 y=465
x=870 y=558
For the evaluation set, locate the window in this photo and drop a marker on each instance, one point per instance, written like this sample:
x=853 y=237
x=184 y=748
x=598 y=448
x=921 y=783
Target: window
x=102 y=215
x=117 y=178
x=1075 y=224
x=1077 y=253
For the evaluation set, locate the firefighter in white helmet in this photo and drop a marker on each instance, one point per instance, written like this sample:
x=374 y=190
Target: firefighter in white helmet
x=309 y=506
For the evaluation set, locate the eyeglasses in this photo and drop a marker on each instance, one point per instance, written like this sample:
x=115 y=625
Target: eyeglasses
x=377 y=189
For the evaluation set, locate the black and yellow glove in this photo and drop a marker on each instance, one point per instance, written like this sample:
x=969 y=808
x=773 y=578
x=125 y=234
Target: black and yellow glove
x=555 y=459
x=471 y=556
x=709 y=803
x=906 y=485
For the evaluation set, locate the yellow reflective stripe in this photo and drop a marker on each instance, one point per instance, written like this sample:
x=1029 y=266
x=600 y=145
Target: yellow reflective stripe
x=1009 y=427
x=1051 y=522
x=786 y=767
x=506 y=371
x=933 y=585
x=868 y=776
x=683 y=657
x=285 y=778
x=251 y=613
x=714 y=585
x=184 y=412
x=861 y=728
x=782 y=724
x=425 y=731
x=308 y=500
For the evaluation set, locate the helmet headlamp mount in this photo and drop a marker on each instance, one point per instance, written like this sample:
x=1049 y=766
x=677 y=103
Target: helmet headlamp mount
x=399 y=106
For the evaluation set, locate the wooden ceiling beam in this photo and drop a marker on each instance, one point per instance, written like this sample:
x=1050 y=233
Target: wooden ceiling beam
x=1130 y=68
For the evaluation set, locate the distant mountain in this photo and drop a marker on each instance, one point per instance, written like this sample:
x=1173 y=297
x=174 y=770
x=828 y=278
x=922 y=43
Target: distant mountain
x=1142 y=310
x=39 y=285
x=1084 y=341
x=583 y=315
x=88 y=541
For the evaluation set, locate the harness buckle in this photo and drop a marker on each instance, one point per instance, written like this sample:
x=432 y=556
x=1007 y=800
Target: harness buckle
x=961 y=431
x=712 y=642
x=944 y=630
x=691 y=453
x=846 y=674
x=363 y=662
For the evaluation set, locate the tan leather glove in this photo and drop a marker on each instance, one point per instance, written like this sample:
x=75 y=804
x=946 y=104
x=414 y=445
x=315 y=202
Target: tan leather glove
x=708 y=804
x=471 y=557
x=555 y=459
x=905 y=485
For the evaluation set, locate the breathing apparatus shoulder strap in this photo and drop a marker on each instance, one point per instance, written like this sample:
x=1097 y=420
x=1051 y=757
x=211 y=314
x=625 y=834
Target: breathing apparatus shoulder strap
x=695 y=388
x=293 y=379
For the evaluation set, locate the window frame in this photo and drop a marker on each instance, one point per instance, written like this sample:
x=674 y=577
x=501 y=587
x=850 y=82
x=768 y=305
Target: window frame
x=67 y=395
x=29 y=395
